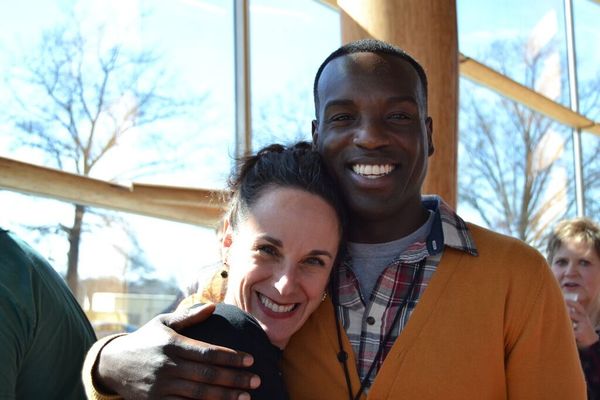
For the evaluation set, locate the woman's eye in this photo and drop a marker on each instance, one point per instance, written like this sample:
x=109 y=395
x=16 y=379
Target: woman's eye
x=560 y=263
x=267 y=249
x=315 y=261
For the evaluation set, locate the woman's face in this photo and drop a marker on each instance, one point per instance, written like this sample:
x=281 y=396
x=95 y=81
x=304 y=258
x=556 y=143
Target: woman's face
x=576 y=266
x=280 y=258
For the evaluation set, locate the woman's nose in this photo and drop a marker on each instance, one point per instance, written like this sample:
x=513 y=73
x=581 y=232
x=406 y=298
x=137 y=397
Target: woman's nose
x=285 y=281
x=571 y=269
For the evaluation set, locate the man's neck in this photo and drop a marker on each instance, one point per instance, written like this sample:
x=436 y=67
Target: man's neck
x=386 y=228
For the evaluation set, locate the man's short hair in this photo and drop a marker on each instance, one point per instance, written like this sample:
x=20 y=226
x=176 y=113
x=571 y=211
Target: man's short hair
x=370 y=46
x=577 y=230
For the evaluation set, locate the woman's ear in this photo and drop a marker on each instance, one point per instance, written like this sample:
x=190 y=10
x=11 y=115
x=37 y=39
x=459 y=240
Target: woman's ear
x=226 y=240
x=227 y=234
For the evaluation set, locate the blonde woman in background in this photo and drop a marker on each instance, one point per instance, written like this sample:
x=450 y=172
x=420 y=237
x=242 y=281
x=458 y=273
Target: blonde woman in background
x=574 y=256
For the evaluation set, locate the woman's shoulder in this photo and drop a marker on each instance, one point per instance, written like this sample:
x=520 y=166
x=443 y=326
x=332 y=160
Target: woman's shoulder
x=231 y=327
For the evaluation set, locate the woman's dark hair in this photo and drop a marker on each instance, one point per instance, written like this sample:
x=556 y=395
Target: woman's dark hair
x=296 y=166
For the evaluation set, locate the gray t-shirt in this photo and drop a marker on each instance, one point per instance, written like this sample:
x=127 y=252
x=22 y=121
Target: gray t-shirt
x=369 y=260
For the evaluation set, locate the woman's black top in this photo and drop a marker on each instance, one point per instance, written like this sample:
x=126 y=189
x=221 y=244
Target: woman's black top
x=590 y=362
x=231 y=327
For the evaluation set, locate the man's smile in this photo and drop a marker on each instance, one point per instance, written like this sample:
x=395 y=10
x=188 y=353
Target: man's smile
x=373 y=171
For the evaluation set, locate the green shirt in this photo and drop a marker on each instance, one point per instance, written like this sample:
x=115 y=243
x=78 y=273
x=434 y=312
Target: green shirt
x=44 y=334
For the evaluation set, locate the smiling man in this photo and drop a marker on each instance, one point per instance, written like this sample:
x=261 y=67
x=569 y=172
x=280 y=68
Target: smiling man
x=374 y=132
x=424 y=306
x=431 y=307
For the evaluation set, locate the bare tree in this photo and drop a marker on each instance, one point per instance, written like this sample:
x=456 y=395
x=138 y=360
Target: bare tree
x=589 y=105
x=516 y=165
x=284 y=118
x=80 y=95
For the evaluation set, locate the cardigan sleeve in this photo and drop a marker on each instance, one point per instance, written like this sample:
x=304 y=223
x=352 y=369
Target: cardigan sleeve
x=91 y=390
x=590 y=362
x=541 y=355
x=214 y=291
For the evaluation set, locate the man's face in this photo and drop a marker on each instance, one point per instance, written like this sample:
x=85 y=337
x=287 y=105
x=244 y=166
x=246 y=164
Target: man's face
x=374 y=134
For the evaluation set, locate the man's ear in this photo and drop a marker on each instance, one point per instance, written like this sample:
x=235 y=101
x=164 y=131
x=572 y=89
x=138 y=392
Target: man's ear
x=315 y=133
x=429 y=126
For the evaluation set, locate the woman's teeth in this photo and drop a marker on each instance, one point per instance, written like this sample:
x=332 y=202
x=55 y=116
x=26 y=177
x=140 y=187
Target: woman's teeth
x=274 y=306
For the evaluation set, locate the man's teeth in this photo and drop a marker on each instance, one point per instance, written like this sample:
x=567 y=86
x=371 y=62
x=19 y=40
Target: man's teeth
x=372 y=171
x=274 y=306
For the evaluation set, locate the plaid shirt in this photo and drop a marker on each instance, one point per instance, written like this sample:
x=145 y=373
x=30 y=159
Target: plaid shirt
x=368 y=323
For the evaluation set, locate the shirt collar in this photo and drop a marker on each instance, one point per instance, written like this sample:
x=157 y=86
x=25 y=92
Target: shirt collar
x=448 y=229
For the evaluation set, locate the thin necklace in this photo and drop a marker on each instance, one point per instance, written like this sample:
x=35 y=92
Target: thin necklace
x=343 y=356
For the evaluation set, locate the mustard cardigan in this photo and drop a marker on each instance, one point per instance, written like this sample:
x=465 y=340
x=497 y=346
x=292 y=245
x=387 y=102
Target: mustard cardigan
x=492 y=326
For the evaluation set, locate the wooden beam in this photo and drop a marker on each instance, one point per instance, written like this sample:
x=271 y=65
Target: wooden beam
x=507 y=87
x=333 y=4
x=194 y=206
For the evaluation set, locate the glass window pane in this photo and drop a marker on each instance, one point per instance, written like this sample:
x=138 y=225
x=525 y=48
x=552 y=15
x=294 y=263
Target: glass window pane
x=163 y=74
x=289 y=40
x=130 y=268
x=517 y=37
x=586 y=15
x=515 y=166
x=160 y=111
x=591 y=174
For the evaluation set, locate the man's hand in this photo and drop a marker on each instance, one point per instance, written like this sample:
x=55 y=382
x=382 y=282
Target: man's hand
x=156 y=362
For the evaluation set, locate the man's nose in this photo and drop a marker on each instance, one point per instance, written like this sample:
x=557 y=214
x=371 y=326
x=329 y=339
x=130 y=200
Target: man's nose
x=370 y=134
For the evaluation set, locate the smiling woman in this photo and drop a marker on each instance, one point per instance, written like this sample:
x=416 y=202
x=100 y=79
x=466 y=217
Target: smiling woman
x=281 y=240
x=280 y=256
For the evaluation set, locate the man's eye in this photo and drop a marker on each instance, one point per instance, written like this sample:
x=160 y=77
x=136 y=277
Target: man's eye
x=399 y=116
x=340 y=117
